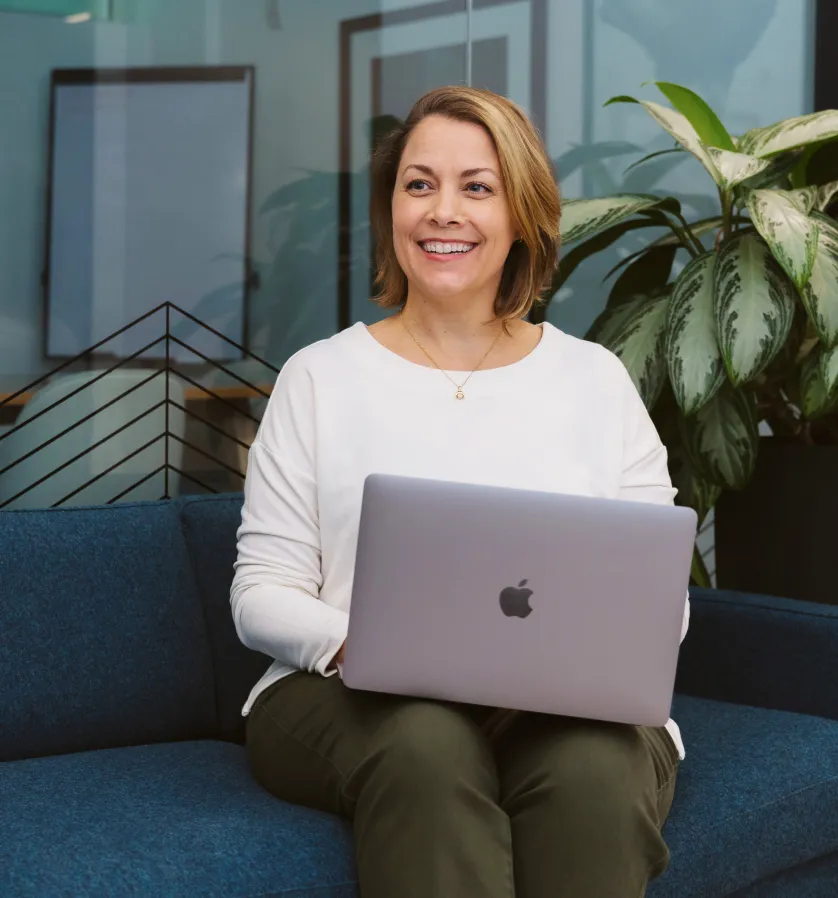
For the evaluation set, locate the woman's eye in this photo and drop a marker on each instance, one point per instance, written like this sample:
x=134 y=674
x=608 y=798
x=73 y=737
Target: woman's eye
x=417 y=185
x=477 y=188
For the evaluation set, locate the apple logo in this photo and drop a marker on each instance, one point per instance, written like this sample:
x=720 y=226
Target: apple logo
x=515 y=600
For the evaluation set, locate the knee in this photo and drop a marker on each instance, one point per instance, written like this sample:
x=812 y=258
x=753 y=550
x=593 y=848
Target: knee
x=594 y=767
x=431 y=749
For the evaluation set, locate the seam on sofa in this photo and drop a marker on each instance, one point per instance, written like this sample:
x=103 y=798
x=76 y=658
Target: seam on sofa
x=207 y=632
x=731 y=603
x=116 y=507
x=797 y=867
x=312 y=889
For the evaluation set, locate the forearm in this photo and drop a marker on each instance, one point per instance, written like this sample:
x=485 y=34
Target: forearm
x=289 y=625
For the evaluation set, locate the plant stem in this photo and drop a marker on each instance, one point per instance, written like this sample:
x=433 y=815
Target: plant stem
x=688 y=231
x=684 y=235
x=727 y=212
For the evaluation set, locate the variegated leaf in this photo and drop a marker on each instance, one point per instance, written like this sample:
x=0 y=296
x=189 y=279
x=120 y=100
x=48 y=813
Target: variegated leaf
x=639 y=342
x=790 y=134
x=829 y=369
x=734 y=168
x=722 y=438
x=776 y=174
x=696 y=370
x=708 y=126
x=791 y=234
x=820 y=295
x=609 y=323
x=693 y=489
x=815 y=396
x=584 y=218
x=826 y=193
x=754 y=306
x=679 y=127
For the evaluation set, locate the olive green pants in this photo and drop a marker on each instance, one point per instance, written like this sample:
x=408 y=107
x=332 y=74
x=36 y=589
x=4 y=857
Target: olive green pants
x=456 y=801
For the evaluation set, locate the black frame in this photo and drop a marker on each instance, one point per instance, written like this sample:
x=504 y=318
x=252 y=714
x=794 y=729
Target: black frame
x=150 y=75
x=374 y=22
x=826 y=70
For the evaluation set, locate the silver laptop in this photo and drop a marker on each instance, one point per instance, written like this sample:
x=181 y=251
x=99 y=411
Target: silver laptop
x=519 y=599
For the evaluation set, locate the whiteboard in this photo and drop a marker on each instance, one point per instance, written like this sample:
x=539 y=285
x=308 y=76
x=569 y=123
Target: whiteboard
x=148 y=202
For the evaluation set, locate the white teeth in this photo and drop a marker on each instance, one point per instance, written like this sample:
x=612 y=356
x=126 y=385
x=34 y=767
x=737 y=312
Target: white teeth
x=431 y=246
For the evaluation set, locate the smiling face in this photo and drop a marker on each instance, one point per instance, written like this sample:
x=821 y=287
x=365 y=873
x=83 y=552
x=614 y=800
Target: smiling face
x=452 y=227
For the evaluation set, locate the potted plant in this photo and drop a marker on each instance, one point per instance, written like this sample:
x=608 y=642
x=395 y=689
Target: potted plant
x=729 y=323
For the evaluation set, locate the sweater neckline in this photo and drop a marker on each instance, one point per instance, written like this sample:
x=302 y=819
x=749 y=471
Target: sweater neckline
x=397 y=361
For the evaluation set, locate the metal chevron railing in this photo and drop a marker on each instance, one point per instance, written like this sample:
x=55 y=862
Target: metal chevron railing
x=100 y=435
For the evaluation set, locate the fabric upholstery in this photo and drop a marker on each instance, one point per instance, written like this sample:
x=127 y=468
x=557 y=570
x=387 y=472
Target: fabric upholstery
x=209 y=525
x=103 y=637
x=184 y=820
x=763 y=651
x=817 y=879
x=756 y=795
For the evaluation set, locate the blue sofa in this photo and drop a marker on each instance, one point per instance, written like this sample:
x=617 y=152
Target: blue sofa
x=121 y=682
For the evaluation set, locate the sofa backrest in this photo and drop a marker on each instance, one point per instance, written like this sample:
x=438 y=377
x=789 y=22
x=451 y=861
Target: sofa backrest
x=103 y=640
x=209 y=525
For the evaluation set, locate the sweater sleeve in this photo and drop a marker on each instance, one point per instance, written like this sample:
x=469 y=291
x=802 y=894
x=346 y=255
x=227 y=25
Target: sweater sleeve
x=645 y=473
x=275 y=596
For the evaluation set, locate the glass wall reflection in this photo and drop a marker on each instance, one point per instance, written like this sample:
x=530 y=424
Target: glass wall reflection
x=254 y=218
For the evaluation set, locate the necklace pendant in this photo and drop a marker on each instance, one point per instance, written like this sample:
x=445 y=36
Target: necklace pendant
x=459 y=395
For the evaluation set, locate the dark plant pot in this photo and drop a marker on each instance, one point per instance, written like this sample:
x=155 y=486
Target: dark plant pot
x=779 y=536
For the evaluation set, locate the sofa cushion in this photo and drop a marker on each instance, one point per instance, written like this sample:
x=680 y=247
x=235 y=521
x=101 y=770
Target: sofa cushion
x=103 y=637
x=817 y=879
x=168 y=821
x=756 y=795
x=210 y=524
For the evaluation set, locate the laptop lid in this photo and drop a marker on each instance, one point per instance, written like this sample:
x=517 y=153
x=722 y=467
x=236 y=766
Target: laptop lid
x=519 y=599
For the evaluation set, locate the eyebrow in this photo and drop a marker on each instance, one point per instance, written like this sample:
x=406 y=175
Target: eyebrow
x=467 y=173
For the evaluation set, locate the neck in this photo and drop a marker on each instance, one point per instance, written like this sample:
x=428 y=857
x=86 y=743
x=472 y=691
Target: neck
x=452 y=321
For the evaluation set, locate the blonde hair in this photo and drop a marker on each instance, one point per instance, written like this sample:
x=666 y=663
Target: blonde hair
x=528 y=178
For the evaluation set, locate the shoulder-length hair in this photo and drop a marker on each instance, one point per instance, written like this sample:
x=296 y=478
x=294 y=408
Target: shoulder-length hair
x=529 y=182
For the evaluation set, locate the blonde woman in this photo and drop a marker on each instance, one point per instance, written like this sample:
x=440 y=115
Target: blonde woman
x=447 y=801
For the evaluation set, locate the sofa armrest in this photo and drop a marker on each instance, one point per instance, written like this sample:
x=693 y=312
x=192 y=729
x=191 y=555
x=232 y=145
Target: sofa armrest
x=761 y=651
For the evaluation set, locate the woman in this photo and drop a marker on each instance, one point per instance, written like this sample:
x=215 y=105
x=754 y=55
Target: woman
x=448 y=801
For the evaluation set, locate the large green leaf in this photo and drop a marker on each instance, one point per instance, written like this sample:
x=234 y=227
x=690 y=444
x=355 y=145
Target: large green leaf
x=722 y=438
x=706 y=123
x=816 y=398
x=639 y=342
x=754 y=307
x=696 y=370
x=820 y=295
x=584 y=218
x=678 y=125
x=790 y=134
x=792 y=235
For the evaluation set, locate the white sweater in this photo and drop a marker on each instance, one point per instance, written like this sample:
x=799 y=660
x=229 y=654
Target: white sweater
x=566 y=418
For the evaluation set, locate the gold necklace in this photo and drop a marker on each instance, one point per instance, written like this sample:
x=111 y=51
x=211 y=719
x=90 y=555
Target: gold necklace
x=459 y=394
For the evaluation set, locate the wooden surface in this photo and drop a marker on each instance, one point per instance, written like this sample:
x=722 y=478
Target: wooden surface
x=231 y=390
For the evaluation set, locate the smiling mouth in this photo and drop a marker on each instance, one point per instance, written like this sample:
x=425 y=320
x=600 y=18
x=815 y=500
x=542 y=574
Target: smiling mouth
x=442 y=248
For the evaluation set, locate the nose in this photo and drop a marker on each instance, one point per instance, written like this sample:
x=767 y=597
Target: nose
x=446 y=209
